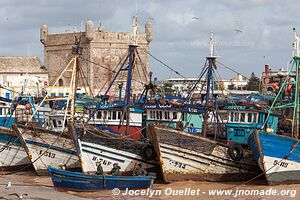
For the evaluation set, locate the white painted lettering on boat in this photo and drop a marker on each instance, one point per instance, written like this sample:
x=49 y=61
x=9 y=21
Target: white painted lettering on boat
x=280 y=163
x=47 y=154
x=101 y=160
x=177 y=164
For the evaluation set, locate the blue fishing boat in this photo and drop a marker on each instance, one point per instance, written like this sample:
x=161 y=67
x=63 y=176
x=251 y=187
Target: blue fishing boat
x=277 y=152
x=278 y=156
x=83 y=182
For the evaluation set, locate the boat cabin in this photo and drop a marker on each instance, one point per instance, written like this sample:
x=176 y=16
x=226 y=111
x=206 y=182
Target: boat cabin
x=113 y=119
x=243 y=120
x=5 y=119
x=174 y=116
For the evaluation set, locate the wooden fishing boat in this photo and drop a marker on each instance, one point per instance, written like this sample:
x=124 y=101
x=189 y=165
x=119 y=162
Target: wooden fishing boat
x=67 y=180
x=99 y=146
x=47 y=148
x=127 y=147
x=53 y=148
x=188 y=156
x=194 y=156
x=278 y=156
x=12 y=153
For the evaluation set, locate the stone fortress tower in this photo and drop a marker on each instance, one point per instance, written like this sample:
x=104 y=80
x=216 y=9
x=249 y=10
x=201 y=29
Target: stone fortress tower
x=99 y=47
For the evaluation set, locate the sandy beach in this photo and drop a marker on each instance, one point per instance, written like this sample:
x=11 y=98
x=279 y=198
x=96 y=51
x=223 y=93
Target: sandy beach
x=40 y=187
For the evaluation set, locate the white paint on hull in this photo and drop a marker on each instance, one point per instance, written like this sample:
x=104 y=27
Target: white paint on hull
x=37 y=144
x=183 y=161
x=13 y=156
x=91 y=153
x=278 y=170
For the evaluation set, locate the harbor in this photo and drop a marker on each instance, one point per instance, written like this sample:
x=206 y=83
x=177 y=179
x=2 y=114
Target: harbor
x=41 y=188
x=96 y=113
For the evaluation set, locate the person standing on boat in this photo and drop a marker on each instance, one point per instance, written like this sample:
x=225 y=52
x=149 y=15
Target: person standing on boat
x=269 y=129
x=192 y=128
x=139 y=170
x=99 y=169
x=115 y=171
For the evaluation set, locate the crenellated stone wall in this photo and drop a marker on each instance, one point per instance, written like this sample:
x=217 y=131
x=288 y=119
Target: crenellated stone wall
x=102 y=48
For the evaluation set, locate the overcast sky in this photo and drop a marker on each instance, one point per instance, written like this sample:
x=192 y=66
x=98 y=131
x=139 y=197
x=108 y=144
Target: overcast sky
x=181 y=29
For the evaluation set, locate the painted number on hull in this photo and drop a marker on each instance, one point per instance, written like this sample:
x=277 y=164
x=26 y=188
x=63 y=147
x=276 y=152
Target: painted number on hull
x=6 y=148
x=47 y=154
x=177 y=164
x=101 y=160
x=280 y=163
x=239 y=132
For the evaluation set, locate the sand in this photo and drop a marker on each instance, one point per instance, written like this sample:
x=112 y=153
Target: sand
x=40 y=187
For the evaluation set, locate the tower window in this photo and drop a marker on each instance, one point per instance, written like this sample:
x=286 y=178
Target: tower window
x=60 y=83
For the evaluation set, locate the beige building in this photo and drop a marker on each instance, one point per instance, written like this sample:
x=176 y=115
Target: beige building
x=19 y=73
x=102 y=53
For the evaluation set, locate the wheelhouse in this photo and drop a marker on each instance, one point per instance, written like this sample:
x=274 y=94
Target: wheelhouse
x=243 y=120
x=174 y=116
x=114 y=119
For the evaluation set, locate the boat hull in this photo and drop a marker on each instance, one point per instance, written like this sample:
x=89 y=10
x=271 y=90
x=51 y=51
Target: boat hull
x=12 y=154
x=47 y=148
x=188 y=157
x=82 y=182
x=107 y=156
x=278 y=156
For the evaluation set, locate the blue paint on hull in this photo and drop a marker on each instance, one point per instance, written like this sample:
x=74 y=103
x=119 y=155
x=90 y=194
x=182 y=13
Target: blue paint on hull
x=57 y=148
x=6 y=121
x=106 y=128
x=83 y=182
x=281 y=148
x=5 y=138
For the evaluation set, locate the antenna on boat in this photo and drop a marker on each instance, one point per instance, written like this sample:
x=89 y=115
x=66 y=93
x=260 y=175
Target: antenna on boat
x=296 y=58
x=135 y=29
x=296 y=52
x=211 y=44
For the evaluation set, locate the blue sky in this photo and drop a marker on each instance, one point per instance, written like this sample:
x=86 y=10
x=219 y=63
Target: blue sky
x=181 y=29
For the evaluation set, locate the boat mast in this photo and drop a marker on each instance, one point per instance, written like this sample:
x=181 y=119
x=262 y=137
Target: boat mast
x=210 y=96
x=128 y=65
x=295 y=103
x=76 y=50
x=132 y=51
x=296 y=58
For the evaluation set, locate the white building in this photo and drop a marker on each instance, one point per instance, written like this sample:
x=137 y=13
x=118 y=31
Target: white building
x=183 y=86
x=22 y=73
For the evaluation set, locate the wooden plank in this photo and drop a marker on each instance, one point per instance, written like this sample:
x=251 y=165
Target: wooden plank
x=155 y=143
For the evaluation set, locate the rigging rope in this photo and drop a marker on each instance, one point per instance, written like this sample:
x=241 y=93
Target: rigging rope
x=164 y=64
x=232 y=69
